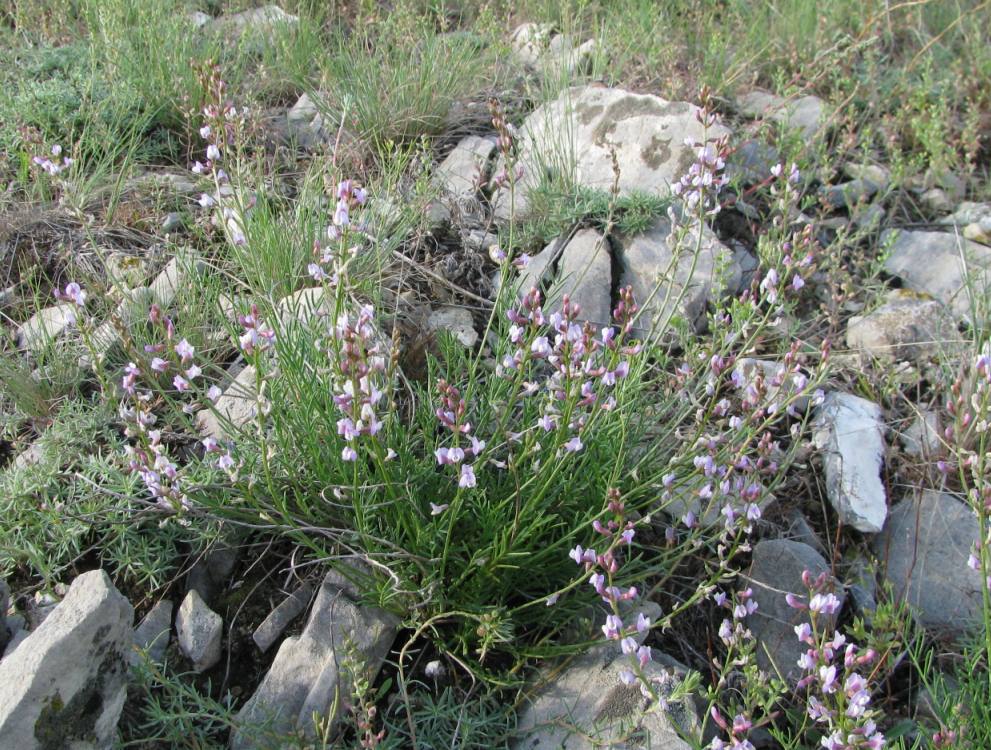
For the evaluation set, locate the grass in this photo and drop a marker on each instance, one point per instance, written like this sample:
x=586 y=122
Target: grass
x=470 y=564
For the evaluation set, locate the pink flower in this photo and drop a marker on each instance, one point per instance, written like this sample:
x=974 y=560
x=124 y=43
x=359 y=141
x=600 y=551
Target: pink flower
x=159 y=365
x=574 y=445
x=467 y=478
x=613 y=627
x=214 y=393
x=349 y=454
x=185 y=350
x=825 y=603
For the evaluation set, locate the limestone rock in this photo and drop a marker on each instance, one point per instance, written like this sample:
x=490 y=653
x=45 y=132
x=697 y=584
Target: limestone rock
x=922 y=438
x=153 y=633
x=457 y=321
x=537 y=47
x=572 y=137
x=305 y=676
x=969 y=212
x=254 y=24
x=585 y=274
x=671 y=278
x=924 y=547
x=65 y=685
x=776 y=570
x=279 y=618
x=586 y=706
x=235 y=407
x=849 y=433
x=939 y=264
x=466 y=168
x=905 y=328
x=47 y=324
x=177 y=275
x=805 y=114
x=199 y=631
x=306 y=125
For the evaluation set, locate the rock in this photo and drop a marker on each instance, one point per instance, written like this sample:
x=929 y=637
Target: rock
x=65 y=685
x=668 y=278
x=586 y=706
x=153 y=633
x=254 y=24
x=754 y=377
x=174 y=183
x=305 y=676
x=5 y=633
x=978 y=233
x=455 y=320
x=868 y=217
x=177 y=275
x=39 y=607
x=924 y=547
x=936 y=199
x=968 y=212
x=648 y=134
x=198 y=18
x=279 y=618
x=466 y=168
x=199 y=631
x=32 y=455
x=126 y=270
x=212 y=571
x=538 y=48
x=775 y=571
x=905 y=328
x=805 y=114
x=862 y=588
x=235 y=408
x=132 y=308
x=939 y=264
x=306 y=125
x=922 y=439
x=173 y=222
x=304 y=306
x=480 y=240
x=799 y=530
x=585 y=274
x=751 y=162
x=46 y=325
x=847 y=194
x=874 y=173
x=16 y=639
x=849 y=432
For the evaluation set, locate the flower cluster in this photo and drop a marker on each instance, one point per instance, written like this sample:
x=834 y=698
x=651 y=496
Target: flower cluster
x=839 y=695
x=257 y=335
x=451 y=415
x=340 y=232
x=51 y=164
x=618 y=532
x=360 y=382
x=699 y=187
x=506 y=142
x=581 y=364
x=733 y=630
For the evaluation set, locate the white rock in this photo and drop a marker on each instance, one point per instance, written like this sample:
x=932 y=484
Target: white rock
x=849 y=433
x=199 y=631
x=64 y=686
x=235 y=408
x=457 y=321
x=572 y=137
x=45 y=325
x=177 y=275
x=254 y=23
x=941 y=265
x=906 y=327
x=466 y=168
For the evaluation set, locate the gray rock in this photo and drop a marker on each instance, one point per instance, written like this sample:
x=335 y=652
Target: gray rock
x=32 y=455
x=153 y=633
x=906 y=327
x=39 y=607
x=254 y=24
x=940 y=264
x=922 y=439
x=5 y=633
x=968 y=212
x=65 y=685
x=466 y=168
x=198 y=18
x=174 y=182
x=47 y=324
x=538 y=48
x=235 y=408
x=455 y=320
x=480 y=240
x=305 y=124
x=16 y=639
x=211 y=572
x=806 y=113
x=648 y=134
x=751 y=162
x=776 y=570
x=936 y=199
x=306 y=675
x=799 y=530
x=586 y=706
x=279 y=618
x=862 y=588
x=669 y=278
x=848 y=194
x=924 y=548
x=849 y=432
x=172 y=222
x=199 y=631
x=585 y=274
x=875 y=173
x=177 y=275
